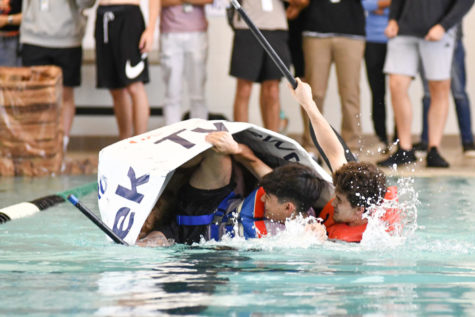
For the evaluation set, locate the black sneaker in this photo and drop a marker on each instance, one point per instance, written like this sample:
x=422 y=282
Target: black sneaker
x=400 y=157
x=469 y=150
x=420 y=146
x=435 y=160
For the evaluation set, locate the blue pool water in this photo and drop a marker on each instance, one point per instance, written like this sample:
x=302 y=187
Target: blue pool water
x=57 y=263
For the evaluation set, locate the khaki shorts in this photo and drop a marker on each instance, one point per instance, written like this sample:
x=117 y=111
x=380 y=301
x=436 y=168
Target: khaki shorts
x=405 y=52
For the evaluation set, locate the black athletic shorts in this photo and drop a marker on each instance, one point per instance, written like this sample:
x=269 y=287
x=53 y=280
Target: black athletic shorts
x=250 y=61
x=194 y=202
x=118 y=59
x=69 y=59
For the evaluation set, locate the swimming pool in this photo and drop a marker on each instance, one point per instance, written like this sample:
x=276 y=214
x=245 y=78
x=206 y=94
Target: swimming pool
x=57 y=263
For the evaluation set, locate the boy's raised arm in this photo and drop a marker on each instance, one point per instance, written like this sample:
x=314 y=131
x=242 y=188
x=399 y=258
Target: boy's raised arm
x=325 y=135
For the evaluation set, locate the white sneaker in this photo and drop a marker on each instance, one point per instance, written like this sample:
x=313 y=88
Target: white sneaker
x=469 y=150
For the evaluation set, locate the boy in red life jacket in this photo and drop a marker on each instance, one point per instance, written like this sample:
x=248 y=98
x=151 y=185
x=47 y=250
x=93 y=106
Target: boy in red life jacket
x=358 y=185
x=206 y=205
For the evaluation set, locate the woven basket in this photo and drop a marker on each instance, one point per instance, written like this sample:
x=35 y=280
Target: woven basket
x=31 y=130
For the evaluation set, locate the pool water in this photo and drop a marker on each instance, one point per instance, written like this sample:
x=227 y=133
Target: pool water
x=57 y=263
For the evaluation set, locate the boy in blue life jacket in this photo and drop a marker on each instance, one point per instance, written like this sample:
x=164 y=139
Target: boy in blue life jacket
x=211 y=204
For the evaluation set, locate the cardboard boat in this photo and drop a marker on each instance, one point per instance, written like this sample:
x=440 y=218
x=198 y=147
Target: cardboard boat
x=138 y=174
x=31 y=129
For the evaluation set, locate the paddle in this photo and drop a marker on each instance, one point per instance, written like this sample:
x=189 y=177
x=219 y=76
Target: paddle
x=25 y=209
x=98 y=222
x=285 y=71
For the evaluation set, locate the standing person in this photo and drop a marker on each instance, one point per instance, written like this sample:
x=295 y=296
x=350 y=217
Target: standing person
x=122 y=43
x=461 y=100
x=250 y=63
x=51 y=33
x=184 y=52
x=334 y=32
x=295 y=17
x=421 y=30
x=10 y=18
x=377 y=13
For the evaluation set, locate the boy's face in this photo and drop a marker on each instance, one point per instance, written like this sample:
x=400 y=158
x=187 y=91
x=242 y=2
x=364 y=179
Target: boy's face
x=276 y=211
x=344 y=212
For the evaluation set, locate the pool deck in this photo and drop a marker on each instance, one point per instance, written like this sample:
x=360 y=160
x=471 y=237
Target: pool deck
x=82 y=157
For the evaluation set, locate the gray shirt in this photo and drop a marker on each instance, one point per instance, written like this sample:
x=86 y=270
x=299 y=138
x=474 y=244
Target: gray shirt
x=266 y=15
x=416 y=18
x=53 y=23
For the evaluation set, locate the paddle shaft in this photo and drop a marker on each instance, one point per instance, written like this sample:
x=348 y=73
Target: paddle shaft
x=98 y=222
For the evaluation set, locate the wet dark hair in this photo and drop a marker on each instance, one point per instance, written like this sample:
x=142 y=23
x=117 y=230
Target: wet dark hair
x=296 y=183
x=362 y=183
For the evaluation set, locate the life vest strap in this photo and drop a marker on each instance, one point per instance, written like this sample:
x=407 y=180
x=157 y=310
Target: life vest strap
x=202 y=220
x=213 y=220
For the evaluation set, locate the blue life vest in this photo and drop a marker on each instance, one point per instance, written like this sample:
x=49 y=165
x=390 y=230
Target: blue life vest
x=249 y=213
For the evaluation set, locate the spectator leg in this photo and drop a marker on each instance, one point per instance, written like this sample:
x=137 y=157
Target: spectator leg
x=123 y=112
x=195 y=73
x=270 y=104
x=241 y=100
x=140 y=107
x=461 y=100
x=348 y=56
x=399 y=86
x=69 y=109
x=172 y=62
x=439 y=107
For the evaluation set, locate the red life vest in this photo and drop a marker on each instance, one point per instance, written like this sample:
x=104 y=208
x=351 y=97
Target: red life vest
x=252 y=215
x=344 y=232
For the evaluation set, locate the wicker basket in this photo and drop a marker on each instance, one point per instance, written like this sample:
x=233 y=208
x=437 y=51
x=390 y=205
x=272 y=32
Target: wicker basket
x=31 y=130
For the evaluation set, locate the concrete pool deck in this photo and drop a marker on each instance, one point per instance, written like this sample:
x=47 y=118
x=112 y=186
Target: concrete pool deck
x=82 y=157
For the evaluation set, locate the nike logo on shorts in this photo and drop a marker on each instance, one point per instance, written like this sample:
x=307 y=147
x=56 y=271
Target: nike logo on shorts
x=133 y=71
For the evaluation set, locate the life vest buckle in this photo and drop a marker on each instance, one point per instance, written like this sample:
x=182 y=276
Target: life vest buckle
x=217 y=219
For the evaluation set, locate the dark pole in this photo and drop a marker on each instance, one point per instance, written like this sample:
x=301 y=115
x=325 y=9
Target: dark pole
x=98 y=222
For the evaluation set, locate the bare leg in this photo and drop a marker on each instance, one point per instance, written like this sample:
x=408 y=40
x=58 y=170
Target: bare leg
x=153 y=239
x=140 y=107
x=122 y=111
x=68 y=109
x=439 y=107
x=213 y=172
x=270 y=105
x=399 y=86
x=241 y=100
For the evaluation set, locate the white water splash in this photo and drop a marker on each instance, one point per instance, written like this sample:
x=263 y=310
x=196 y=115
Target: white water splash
x=377 y=235
x=293 y=236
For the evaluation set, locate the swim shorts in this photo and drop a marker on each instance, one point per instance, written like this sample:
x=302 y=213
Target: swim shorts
x=118 y=58
x=251 y=62
x=69 y=59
